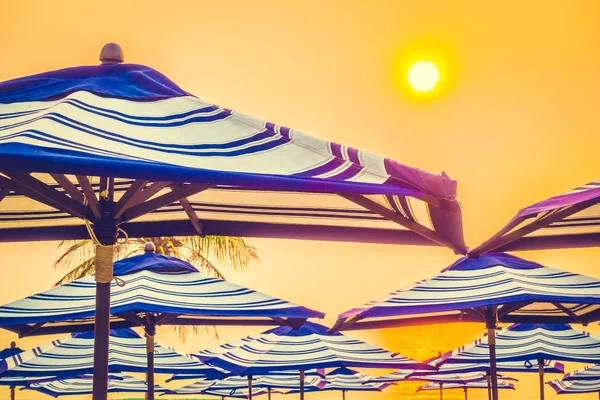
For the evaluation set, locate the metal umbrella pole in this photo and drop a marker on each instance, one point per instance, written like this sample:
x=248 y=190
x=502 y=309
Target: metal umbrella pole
x=541 y=372
x=490 y=322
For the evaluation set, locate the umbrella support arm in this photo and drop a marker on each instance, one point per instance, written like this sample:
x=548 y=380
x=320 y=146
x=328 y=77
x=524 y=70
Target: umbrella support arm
x=150 y=329
x=105 y=231
x=490 y=322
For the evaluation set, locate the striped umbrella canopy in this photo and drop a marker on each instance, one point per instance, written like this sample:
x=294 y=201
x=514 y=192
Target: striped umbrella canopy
x=534 y=343
x=589 y=372
x=493 y=288
x=83 y=385
x=564 y=221
x=308 y=347
x=89 y=150
x=152 y=290
x=72 y=356
x=465 y=386
x=348 y=380
x=289 y=382
x=531 y=342
x=311 y=372
x=574 y=387
x=234 y=394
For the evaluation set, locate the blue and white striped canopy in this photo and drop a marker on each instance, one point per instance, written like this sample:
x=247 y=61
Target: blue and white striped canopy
x=235 y=394
x=531 y=342
x=460 y=373
x=589 y=372
x=153 y=283
x=243 y=176
x=308 y=347
x=83 y=385
x=346 y=379
x=522 y=290
x=574 y=387
x=291 y=373
x=280 y=382
x=470 y=385
x=73 y=356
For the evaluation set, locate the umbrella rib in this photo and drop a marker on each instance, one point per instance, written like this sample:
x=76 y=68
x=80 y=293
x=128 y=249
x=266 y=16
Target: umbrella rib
x=189 y=210
x=569 y=313
x=508 y=308
x=174 y=195
x=39 y=191
x=3 y=193
x=90 y=195
x=68 y=187
x=400 y=220
x=148 y=192
x=131 y=317
x=130 y=196
x=499 y=243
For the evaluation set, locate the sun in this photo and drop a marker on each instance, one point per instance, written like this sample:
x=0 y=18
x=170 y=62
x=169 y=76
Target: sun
x=423 y=76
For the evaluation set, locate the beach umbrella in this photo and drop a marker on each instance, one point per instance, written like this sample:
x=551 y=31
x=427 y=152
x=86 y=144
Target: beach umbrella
x=118 y=383
x=347 y=380
x=569 y=220
x=151 y=290
x=464 y=386
x=8 y=352
x=311 y=372
x=252 y=383
x=493 y=288
x=308 y=347
x=72 y=356
x=575 y=386
x=534 y=343
x=91 y=151
x=235 y=394
x=589 y=372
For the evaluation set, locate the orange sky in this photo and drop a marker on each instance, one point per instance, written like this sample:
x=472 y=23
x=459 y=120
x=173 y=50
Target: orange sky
x=517 y=121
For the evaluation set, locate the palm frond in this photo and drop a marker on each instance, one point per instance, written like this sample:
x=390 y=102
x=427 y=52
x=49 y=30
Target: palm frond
x=233 y=251
x=84 y=269
x=183 y=331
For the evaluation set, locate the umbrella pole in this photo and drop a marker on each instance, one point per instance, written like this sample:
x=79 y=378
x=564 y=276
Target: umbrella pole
x=249 y=387
x=301 y=385
x=441 y=391
x=541 y=371
x=150 y=329
x=105 y=230
x=12 y=393
x=489 y=386
x=466 y=394
x=269 y=393
x=490 y=322
x=343 y=395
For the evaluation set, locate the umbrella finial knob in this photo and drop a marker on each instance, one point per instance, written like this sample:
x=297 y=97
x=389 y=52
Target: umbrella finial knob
x=13 y=345
x=111 y=53
x=149 y=248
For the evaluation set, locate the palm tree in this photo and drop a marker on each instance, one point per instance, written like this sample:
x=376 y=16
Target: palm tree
x=234 y=252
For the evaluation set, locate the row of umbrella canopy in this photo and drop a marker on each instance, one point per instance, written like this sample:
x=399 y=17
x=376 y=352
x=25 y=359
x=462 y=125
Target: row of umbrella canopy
x=159 y=158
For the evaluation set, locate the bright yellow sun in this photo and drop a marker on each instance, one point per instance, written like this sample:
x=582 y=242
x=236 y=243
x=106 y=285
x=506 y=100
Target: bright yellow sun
x=423 y=76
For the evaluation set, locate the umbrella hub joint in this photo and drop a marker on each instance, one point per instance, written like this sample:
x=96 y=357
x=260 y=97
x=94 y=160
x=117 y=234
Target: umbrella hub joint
x=105 y=227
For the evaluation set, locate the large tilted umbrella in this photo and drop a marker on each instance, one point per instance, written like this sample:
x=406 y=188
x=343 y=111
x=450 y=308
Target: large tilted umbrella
x=309 y=347
x=568 y=220
x=87 y=151
x=465 y=386
x=534 y=343
x=152 y=290
x=575 y=386
x=117 y=383
x=493 y=288
x=589 y=372
x=347 y=380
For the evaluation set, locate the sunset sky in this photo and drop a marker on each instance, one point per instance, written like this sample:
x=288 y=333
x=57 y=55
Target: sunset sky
x=515 y=120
